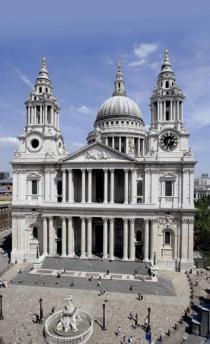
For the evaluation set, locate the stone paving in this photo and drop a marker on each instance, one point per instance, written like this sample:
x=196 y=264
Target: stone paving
x=21 y=301
x=143 y=284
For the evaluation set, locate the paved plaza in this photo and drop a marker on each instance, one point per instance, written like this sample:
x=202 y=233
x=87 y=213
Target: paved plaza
x=21 y=301
x=126 y=277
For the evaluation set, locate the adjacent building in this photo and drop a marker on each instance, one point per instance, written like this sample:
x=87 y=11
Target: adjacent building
x=202 y=187
x=127 y=194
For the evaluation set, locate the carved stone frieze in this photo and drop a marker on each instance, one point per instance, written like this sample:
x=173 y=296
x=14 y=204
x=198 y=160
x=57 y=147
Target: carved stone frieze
x=32 y=218
x=96 y=155
x=168 y=220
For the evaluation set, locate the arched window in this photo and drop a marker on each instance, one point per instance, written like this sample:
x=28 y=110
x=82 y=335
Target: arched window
x=167 y=84
x=40 y=89
x=167 y=238
x=35 y=232
x=138 y=236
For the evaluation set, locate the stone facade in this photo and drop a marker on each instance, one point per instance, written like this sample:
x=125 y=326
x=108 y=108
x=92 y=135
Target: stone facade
x=128 y=194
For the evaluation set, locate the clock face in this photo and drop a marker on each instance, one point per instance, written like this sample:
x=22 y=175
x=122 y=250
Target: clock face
x=168 y=141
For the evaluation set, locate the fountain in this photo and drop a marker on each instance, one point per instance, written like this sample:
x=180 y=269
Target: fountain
x=68 y=326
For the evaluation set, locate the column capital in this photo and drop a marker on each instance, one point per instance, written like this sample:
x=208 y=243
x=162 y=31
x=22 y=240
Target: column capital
x=63 y=169
x=132 y=219
x=125 y=219
x=69 y=169
x=69 y=218
x=83 y=170
x=89 y=219
x=106 y=169
x=111 y=219
x=63 y=218
x=82 y=218
x=89 y=169
x=126 y=169
x=105 y=218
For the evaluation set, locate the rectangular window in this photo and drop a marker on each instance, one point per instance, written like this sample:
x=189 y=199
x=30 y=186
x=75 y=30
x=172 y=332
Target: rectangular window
x=168 y=188
x=34 y=187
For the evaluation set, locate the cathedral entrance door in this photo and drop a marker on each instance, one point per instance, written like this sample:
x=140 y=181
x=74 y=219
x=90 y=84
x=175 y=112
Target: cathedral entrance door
x=58 y=241
x=99 y=240
x=139 y=252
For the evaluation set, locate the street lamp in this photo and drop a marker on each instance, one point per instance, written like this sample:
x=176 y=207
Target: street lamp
x=1 y=312
x=40 y=311
x=104 y=317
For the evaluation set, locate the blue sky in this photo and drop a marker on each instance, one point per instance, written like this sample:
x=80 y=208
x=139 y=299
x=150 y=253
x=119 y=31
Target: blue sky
x=82 y=41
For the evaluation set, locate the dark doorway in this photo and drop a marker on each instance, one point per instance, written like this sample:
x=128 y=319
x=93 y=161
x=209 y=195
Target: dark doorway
x=58 y=241
x=139 y=252
x=99 y=186
x=99 y=240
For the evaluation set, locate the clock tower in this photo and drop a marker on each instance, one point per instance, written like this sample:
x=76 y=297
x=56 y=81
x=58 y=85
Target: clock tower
x=167 y=135
x=41 y=139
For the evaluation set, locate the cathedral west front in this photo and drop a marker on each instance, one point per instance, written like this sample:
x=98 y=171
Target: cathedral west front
x=126 y=195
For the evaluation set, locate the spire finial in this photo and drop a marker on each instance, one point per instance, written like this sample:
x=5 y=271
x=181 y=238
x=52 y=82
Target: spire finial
x=166 y=66
x=44 y=63
x=119 y=82
x=166 y=55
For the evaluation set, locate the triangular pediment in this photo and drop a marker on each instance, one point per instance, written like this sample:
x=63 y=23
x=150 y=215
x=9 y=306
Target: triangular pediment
x=97 y=152
x=168 y=176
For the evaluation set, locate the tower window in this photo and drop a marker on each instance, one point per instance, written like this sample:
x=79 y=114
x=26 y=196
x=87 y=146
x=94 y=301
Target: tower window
x=34 y=184
x=35 y=233
x=138 y=236
x=40 y=89
x=49 y=114
x=167 y=238
x=168 y=188
x=167 y=84
x=46 y=90
x=167 y=116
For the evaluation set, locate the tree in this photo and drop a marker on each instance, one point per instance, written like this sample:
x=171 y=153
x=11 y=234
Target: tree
x=202 y=224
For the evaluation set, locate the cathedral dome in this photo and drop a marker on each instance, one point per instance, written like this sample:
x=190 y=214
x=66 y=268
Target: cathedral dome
x=118 y=105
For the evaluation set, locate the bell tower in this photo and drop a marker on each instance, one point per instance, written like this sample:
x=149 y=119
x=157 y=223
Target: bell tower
x=41 y=138
x=167 y=136
x=167 y=99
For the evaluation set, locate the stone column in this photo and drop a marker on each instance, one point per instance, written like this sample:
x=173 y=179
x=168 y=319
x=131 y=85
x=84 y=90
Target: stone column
x=105 y=185
x=51 y=236
x=63 y=237
x=71 y=186
x=133 y=186
x=83 y=185
x=89 y=244
x=106 y=141
x=177 y=107
x=126 y=145
x=120 y=144
x=111 y=238
x=153 y=237
x=45 y=235
x=125 y=186
x=104 y=238
x=64 y=185
x=83 y=237
x=171 y=110
x=164 y=111
x=139 y=148
x=113 y=142
x=70 y=238
x=112 y=187
x=125 y=239
x=132 y=246
x=146 y=240
x=89 y=185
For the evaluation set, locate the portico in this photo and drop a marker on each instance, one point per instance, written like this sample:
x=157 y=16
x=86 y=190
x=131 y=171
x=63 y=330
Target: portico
x=105 y=237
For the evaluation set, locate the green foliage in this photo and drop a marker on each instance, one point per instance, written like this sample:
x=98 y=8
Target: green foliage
x=202 y=224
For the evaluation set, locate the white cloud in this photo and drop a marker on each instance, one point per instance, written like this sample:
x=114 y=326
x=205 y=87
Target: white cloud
x=82 y=109
x=109 y=61
x=137 y=63
x=8 y=140
x=24 y=78
x=142 y=51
